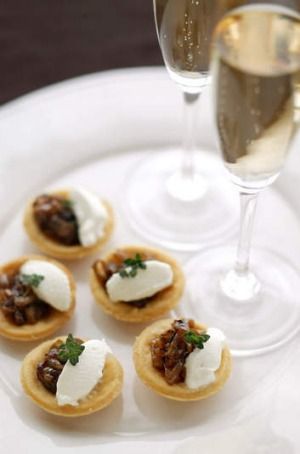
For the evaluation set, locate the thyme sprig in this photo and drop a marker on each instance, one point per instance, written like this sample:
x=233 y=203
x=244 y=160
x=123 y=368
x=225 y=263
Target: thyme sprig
x=33 y=280
x=131 y=266
x=70 y=350
x=196 y=339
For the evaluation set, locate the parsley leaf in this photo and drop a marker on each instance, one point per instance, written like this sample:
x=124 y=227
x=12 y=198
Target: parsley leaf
x=33 y=280
x=196 y=339
x=70 y=350
x=134 y=265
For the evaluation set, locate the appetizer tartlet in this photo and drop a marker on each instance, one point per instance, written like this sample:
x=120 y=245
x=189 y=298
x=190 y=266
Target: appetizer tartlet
x=67 y=376
x=69 y=224
x=136 y=283
x=37 y=296
x=182 y=360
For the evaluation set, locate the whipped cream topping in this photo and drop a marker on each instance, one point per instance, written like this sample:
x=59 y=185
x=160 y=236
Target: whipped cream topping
x=76 y=382
x=156 y=277
x=202 y=364
x=54 y=289
x=91 y=215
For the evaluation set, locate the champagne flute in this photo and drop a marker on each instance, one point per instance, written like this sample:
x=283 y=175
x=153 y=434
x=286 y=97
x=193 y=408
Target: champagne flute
x=256 y=75
x=173 y=204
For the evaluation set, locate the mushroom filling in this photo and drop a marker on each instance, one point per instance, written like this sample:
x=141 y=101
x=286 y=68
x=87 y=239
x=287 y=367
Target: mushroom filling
x=19 y=303
x=104 y=270
x=56 y=219
x=170 y=350
x=49 y=370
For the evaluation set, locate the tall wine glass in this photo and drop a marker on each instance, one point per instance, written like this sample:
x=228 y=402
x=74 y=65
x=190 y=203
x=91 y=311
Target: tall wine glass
x=172 y=196
x=256 y=75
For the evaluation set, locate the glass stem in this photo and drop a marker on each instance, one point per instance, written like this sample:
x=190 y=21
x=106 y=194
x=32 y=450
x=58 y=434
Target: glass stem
x=186 y=185
x=248 y=206
x=239 y=284
x=189 y=134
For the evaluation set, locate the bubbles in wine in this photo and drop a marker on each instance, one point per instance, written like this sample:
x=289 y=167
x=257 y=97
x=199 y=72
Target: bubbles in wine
x=255 y=91
x=185 y=28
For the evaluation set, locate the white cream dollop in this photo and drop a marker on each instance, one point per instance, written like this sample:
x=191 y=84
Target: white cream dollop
x=201 y=364
x=54 y=289
x=91 y=215
x=156 y=277
x=76 y=382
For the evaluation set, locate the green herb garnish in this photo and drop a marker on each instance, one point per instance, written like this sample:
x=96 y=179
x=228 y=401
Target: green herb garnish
x=70 y=350
x=196 y=339
x=33 y=280
x=134 y=265
x=67 y=204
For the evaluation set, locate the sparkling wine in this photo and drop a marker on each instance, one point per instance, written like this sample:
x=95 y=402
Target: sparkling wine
x=257 y=78
x=185 y=29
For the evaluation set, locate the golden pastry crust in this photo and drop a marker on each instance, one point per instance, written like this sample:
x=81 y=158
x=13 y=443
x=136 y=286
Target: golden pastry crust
x=159 y=305
x=154 y=380
x=100 y=397
x=53 y=248
x=46 y=326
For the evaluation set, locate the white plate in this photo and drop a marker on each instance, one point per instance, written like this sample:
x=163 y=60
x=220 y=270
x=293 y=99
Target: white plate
x=91 y=131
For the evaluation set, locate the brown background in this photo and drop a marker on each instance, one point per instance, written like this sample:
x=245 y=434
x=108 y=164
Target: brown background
x=45 y=41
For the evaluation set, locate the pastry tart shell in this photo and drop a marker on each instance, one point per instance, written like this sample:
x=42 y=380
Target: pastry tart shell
x=54 y=248
x=160 y=304
x=44 y=327
x=155 y=380
x=108 y=388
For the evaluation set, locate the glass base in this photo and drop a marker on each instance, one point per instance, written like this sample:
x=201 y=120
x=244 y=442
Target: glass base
x=240 y=287
x=252 y=326
x=180 y=214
